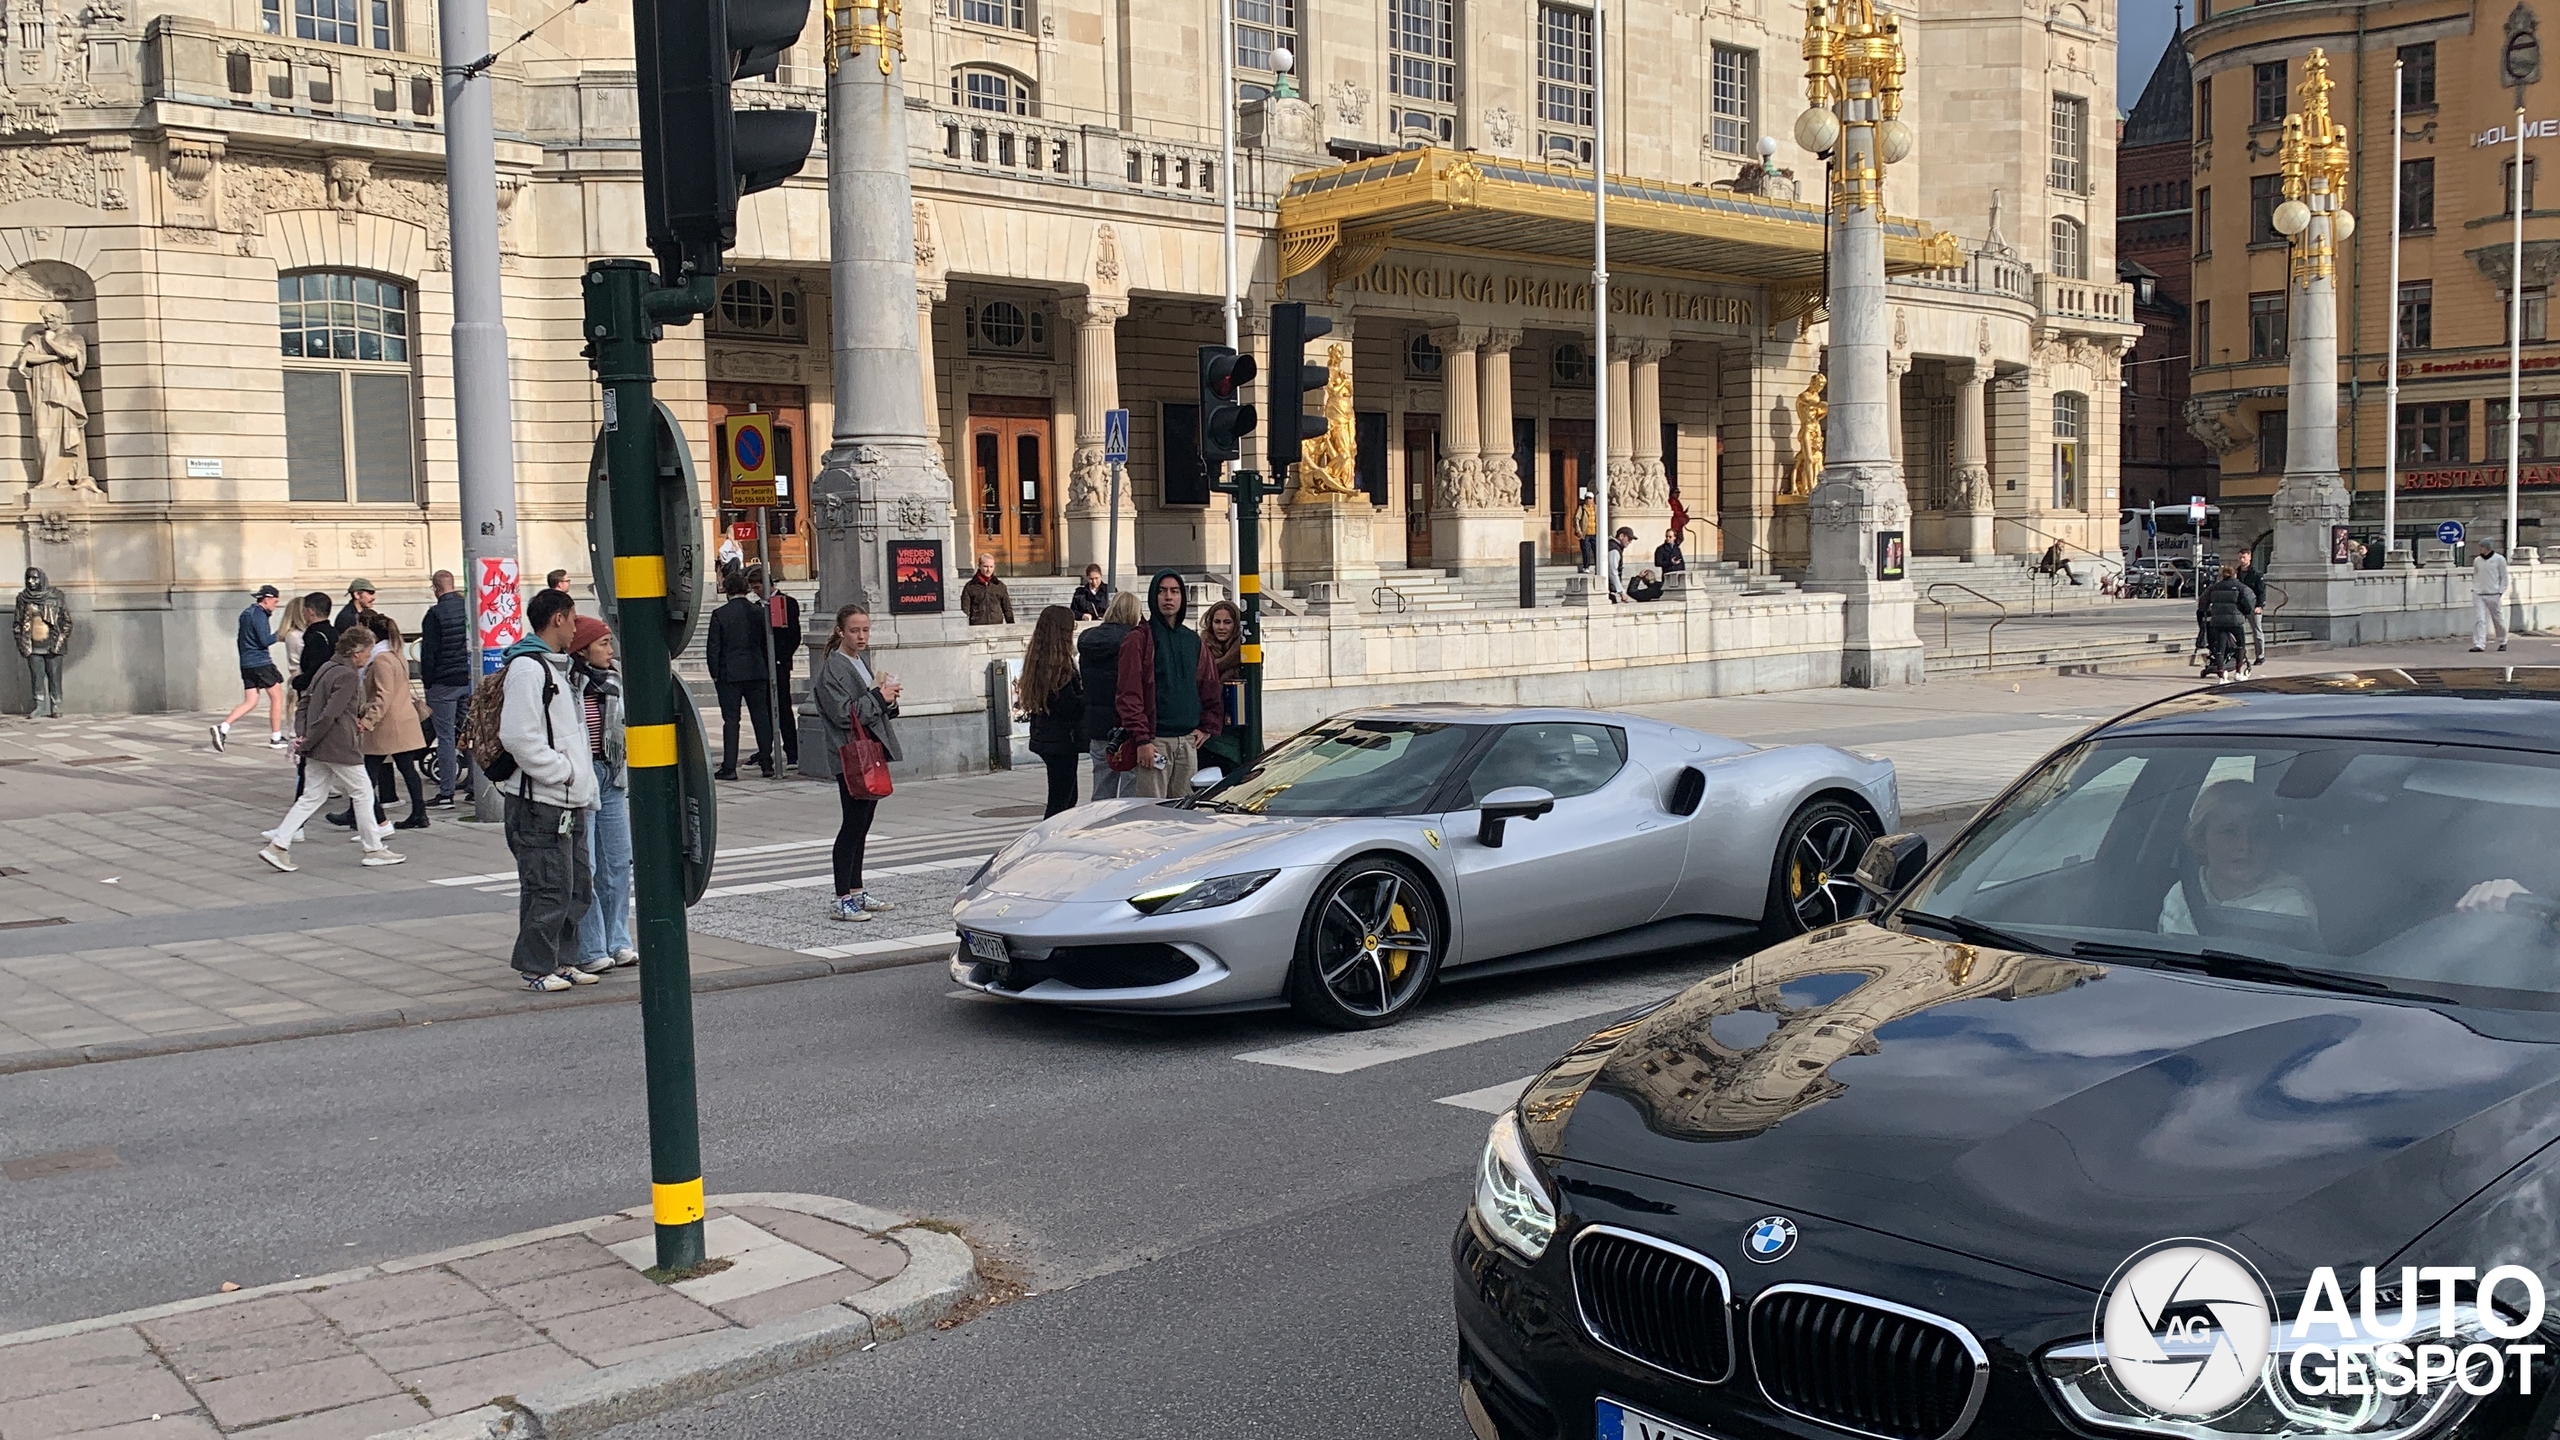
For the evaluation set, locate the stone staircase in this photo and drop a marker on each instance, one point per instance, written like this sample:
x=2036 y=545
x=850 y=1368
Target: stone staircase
x=2009 y=579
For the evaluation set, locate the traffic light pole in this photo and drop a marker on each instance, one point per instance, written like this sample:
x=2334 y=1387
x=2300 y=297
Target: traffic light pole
x=1246 y=487
x=625 y=306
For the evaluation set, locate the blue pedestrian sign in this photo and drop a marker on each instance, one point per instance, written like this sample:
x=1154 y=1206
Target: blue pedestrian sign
x=1115 y=437
x=2449 y=533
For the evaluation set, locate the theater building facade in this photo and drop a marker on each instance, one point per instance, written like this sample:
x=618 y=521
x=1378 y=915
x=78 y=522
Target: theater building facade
x=235 y=209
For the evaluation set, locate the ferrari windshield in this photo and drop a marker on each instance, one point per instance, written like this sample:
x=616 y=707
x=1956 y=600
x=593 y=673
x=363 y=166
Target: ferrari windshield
x=1350 y=767
x=2423 y=869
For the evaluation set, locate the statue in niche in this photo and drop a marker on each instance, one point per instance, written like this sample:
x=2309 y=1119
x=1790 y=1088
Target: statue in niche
x=51 y=364
x=1811 y=411
x=43 y=630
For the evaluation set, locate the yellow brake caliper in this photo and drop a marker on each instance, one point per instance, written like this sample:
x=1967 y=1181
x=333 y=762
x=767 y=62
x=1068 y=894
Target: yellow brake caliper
x=1397 y=960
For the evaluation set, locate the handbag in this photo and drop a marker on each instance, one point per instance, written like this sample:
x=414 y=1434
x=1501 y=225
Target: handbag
x=864 y=764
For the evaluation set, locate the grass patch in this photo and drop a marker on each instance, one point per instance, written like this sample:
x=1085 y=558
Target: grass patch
x=695 y=1272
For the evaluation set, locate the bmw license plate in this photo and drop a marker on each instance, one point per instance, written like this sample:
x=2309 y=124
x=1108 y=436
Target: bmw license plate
x=986 y=947
x=1617 y=1422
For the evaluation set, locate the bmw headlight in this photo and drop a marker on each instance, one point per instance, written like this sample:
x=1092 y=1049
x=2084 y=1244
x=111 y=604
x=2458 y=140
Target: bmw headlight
x=2328 y=1381
x=1511 y=1201
x=1202 y=895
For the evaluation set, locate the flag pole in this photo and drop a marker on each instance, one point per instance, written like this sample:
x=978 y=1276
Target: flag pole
x=2515 y=336
x=1600 y=286
x=2391 y=364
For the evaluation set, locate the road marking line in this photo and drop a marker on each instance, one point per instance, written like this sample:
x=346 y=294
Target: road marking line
x=1492 y=1099
x=1462 y=1025
x=927 y=940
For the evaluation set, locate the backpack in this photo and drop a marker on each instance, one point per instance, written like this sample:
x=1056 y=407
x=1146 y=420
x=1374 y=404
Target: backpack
x=478 y=733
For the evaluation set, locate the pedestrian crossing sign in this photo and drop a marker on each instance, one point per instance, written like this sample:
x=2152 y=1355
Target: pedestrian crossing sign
x=746 y=460
x=1115 y=437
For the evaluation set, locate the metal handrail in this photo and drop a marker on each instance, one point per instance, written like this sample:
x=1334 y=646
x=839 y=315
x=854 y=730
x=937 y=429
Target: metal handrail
x=1947 y=618
x=1378 y=598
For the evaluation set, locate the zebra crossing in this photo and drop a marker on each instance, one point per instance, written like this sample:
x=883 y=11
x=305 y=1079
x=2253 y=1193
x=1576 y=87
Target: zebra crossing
x=808 y=864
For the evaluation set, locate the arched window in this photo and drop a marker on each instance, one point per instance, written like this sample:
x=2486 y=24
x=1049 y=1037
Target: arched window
x=2070 y=418
x=979 y=87
x=2070 y=249
x=349 y=388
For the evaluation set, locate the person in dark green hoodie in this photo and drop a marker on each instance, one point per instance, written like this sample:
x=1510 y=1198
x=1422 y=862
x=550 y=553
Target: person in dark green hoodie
x=1168 y=699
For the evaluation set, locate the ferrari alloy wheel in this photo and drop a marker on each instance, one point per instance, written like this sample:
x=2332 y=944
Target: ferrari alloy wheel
x=1370 y=945
x=1816 y=879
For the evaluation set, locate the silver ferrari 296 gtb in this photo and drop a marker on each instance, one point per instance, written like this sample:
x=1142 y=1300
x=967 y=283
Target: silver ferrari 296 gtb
x=1371 y=854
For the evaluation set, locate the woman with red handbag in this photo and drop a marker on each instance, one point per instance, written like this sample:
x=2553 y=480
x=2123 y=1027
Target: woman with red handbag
x=856 y=708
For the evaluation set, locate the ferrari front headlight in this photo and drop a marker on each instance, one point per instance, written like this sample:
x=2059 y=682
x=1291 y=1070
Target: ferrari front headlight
x=1201 y=895
x=1511 y=1201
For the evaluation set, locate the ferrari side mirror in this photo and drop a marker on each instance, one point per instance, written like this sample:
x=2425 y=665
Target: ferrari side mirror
x=1511 y=802
x=1203 y=781
x=1891 y=863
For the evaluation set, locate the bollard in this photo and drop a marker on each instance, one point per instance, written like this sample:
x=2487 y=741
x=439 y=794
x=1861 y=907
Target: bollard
x=1528 y=574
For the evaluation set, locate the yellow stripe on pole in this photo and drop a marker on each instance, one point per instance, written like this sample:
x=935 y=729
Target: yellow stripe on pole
x=679 y=1204
x=1250 y=584
x=649 y=747
x=1253 y=654
x=639 y=577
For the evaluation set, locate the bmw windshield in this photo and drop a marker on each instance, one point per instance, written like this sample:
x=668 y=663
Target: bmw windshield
x=1350 y=767
x=2430 y=871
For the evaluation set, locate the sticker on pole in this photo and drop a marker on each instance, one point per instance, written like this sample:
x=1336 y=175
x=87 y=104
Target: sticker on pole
x=498 y=609
x=1115 y=437
x=2195 y=510
x=2449 y=533
x=746 y=455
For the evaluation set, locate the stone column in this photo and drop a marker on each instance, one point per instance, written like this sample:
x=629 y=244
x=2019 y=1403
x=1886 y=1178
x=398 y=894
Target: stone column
x=1501 y=468
x=1647 y=498
x=1459 y=536
x=1089 y=517
x=2321 y=597
x=1969 y=517
x=928 y=295
x=1620 y=463
x=1895 y=367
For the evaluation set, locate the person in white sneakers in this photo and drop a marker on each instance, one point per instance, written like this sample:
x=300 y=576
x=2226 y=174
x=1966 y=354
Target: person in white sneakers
x=550 y=793
x=335 y=761
x=2488 y=598
x=259 y=677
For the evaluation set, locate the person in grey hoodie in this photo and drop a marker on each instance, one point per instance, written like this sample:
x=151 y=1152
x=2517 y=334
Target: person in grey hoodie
x=551 y=797
x=328 y=742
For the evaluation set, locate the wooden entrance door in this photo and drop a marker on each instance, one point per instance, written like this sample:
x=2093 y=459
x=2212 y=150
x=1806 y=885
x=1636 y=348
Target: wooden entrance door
x=1421 y=463
x=786 y=536
x=1012 y=485
x=1568 y=472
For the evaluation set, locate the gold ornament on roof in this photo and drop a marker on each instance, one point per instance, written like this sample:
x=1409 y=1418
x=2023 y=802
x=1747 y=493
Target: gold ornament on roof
x=1329 y=465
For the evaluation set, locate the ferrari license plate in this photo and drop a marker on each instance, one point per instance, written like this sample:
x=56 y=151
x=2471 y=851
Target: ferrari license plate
x=1617 y=1422
x=986 y=947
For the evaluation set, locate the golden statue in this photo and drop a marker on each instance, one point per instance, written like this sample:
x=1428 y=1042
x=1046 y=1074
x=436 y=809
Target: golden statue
x=1329 y=465
x=1811 y=410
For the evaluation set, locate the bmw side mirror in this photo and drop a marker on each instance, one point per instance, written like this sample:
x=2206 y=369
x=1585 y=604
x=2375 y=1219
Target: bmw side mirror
x=1891 y=863
x=1204 y=781
x=1511 y=802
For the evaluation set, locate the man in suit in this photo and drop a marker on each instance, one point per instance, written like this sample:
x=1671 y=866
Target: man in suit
x=782 y=616
x=736 y=656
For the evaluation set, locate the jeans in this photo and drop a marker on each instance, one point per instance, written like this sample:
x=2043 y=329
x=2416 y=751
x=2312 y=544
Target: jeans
x=1590 y=553
x=347 y=780
x=448 y=703
x=1172 y=779
x=852 y=834
x=1062 y=782
x=554 y=886
x=606 y=927
x=751 y=694
x=2488 y=615
x=44 y=684
x=2258 y=635
x=1108 y=784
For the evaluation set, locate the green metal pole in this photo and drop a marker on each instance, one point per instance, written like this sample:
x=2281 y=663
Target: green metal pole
x=624 y=306
x=1248 y=493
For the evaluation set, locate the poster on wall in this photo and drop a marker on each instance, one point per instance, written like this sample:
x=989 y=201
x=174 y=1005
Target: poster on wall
x=498 y=609
x=1888 y=554
x=915 y=577
x=2341 y=549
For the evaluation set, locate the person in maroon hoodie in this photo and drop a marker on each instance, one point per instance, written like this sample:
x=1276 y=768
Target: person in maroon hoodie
x=1168 y=698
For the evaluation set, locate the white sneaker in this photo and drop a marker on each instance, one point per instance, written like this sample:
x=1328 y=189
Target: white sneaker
x=385 y=857
x=279 y=742
x=597 y=966
x=626 y=956
x=279 y=857
x=577 y=976
x=549 y=984
x=220 y=732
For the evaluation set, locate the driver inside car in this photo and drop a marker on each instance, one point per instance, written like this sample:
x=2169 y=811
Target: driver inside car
x=2231 y=834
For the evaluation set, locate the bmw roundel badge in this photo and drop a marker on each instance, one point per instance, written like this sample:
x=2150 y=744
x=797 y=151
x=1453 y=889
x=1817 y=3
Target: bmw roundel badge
x=1770 y=1239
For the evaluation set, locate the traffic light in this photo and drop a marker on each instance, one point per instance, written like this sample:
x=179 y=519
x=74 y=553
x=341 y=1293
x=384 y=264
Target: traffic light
x=1226 y=417
x=697 y=154
x=1291 y=378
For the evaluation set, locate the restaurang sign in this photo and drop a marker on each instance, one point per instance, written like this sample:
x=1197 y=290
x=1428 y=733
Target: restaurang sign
x=2480 y=477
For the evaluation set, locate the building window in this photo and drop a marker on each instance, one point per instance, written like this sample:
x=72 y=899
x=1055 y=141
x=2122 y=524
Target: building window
x=1569 y=368
x=2267 y=94
x=2418 y=76
x=999 y=91
x=1006 y=14
x=1262 y=28
x=1422 y=357
x=338 y=22
x=2204 y=219
x=2537 y=439
x=1733 y=82
x=2267 y=326
x=1564 y=66
x=2266 y=192
x=1001 y=327
x=2417 y=314
x=1422 y=69
x=2537 y=314
x=756 y=309
x=349 y=422
x=2070 y=414
x=2271 y=451
x=2436 y=434
x=2070 y=170
x=2202 y=336
x=2507 y=186
x=2070 y=249
x=2204 y=108
x=2417 y=196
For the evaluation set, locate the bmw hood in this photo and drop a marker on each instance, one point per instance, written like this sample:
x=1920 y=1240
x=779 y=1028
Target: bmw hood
x=2055 y=1115
x=1113 y=851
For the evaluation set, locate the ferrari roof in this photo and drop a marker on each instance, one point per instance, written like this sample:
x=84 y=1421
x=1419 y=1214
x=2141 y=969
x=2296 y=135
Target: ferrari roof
x=2504 y=706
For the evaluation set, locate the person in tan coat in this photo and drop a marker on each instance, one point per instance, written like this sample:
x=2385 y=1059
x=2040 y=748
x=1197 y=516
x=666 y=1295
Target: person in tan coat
x=392 y=735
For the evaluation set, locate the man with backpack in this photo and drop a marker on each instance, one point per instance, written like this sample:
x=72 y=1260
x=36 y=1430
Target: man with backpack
x=538 y=760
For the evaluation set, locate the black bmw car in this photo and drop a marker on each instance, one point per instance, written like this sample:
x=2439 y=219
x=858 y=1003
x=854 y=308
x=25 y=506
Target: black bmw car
x=2273 y=967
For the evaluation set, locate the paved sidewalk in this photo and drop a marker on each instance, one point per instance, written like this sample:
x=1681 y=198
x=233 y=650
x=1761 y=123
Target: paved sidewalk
x=552 y=1324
